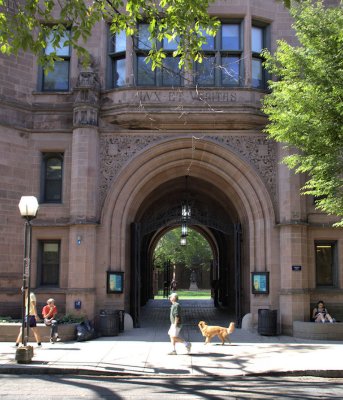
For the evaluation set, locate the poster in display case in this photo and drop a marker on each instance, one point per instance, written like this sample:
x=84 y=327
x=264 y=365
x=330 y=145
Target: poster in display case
x=260 y=282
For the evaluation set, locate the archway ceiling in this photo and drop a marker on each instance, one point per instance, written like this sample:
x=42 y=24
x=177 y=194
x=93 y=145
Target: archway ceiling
x=210 y=206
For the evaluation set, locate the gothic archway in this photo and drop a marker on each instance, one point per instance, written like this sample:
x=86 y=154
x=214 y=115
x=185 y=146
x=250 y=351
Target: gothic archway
x=236 y=185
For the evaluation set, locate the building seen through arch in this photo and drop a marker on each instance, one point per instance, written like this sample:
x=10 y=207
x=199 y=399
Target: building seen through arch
x=106 y=151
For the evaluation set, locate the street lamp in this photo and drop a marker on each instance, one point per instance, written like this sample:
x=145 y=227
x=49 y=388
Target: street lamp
x=28 y=207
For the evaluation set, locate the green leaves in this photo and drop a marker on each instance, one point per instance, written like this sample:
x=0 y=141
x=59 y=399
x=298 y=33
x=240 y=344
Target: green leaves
x=305 y=107
x=197 y=252
x=26 y=26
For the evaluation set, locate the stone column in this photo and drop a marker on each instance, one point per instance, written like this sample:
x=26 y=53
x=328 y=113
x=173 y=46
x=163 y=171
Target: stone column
x=84 y=196
x=294 y=293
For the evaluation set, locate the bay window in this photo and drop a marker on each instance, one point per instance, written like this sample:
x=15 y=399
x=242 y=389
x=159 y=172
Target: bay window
x=169 y=74
x=258 y=43
x=117 y=54
x=58 y=78
x=222 y=63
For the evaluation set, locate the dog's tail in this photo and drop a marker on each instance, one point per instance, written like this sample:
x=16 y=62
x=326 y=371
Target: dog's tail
x=231 y=328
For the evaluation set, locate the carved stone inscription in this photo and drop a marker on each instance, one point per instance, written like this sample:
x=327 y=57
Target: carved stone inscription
x=178 y=96
x=256 y=150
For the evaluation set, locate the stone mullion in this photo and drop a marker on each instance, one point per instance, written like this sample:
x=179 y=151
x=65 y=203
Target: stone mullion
x=247 y=49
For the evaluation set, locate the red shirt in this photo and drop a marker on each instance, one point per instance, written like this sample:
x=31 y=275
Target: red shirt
x=47 y=313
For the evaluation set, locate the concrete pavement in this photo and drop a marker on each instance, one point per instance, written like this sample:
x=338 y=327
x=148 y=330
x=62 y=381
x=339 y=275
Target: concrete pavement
x=143 y=351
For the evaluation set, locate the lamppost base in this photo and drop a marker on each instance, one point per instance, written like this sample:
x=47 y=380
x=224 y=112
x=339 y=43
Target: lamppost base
x=24 y=354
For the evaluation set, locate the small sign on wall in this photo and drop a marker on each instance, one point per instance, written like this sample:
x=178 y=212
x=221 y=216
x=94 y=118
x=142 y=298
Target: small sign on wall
x=296 y=267
x=77 y=304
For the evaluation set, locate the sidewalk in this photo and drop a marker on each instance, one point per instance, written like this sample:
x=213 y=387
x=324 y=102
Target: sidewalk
x=143 y=351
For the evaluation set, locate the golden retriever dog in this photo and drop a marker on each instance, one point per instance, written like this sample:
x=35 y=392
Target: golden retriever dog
x=210 y=331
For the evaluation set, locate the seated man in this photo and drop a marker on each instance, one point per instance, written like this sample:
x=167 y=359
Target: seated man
x=49 y=311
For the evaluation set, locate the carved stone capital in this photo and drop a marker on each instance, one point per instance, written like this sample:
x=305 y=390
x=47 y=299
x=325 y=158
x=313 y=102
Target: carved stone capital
x=86 y=104
x=85 y=116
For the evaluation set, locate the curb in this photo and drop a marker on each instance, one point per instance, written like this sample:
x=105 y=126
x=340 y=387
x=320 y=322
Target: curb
x=39 y=370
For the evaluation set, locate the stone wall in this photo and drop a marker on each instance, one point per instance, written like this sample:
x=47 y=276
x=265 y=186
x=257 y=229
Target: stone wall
x=9 y=332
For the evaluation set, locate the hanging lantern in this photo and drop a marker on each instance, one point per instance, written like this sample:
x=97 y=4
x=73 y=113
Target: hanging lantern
x=183 y=240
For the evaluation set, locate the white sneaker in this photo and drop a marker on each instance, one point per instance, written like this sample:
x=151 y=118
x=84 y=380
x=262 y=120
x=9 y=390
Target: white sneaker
x=56 y=338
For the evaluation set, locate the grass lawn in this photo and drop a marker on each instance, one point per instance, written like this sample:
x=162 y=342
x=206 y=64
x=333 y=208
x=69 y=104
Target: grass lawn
x=188 y=294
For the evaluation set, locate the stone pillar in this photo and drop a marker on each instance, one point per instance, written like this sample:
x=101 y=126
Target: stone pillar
x=84 y=196
x=294 y=293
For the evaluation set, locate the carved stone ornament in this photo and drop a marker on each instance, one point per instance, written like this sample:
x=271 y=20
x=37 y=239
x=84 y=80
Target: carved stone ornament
x=86 y=104
x=256 y=150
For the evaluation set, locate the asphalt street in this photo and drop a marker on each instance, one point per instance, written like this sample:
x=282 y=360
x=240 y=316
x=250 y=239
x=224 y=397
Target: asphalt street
x=52 y=387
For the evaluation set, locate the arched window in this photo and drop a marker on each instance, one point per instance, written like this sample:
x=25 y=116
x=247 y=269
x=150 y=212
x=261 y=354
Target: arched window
x=52 y=174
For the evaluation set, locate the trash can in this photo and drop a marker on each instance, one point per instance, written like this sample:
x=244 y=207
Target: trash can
x=267 y=320
x=109 y=322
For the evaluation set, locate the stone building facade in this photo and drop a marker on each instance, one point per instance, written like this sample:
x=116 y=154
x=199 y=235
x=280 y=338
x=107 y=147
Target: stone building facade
x=106 y=151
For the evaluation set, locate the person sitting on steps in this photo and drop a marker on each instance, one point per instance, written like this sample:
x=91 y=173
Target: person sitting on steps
x=320 y=313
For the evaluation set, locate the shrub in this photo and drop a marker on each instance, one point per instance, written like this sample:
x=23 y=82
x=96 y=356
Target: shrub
x=70 y=319
x=9 y=320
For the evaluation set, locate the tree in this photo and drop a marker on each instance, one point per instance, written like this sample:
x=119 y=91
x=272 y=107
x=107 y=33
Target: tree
x=197 y=252
x=27 y=25
x=305 y=106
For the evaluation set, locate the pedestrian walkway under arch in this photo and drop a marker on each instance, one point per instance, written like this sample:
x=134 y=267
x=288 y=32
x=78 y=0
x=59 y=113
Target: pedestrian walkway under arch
x=156 y=314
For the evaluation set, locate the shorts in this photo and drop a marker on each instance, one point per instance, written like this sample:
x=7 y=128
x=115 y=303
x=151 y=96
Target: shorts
x=32 y=321
x=174 y=331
